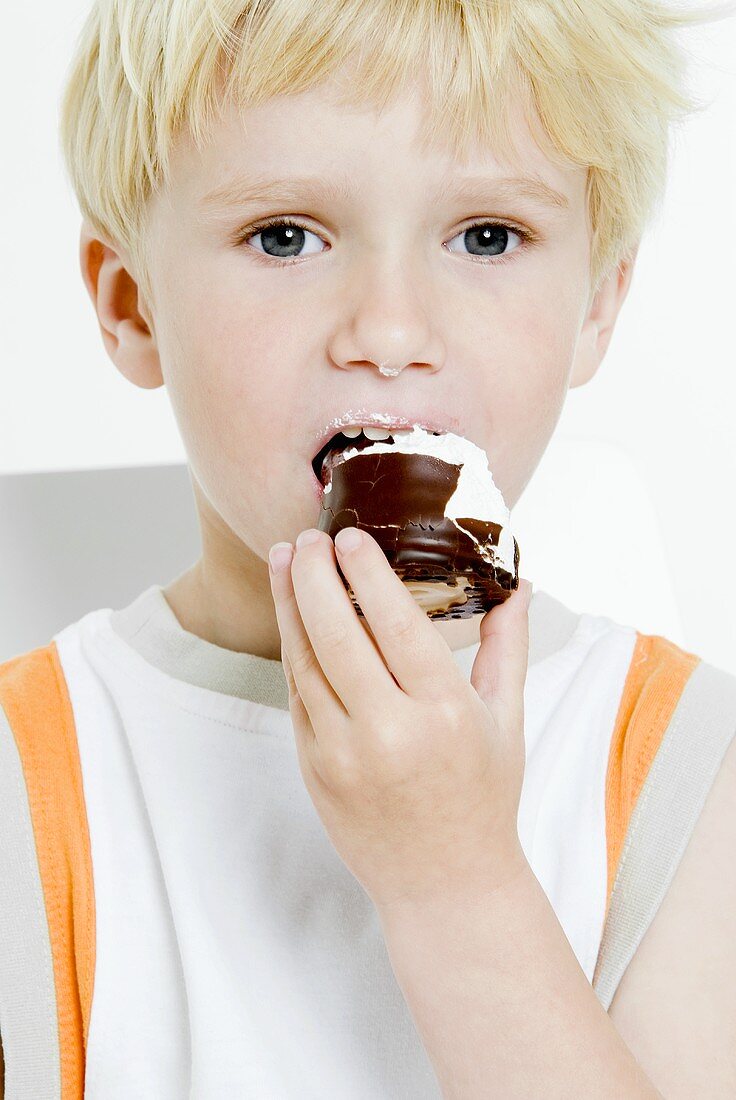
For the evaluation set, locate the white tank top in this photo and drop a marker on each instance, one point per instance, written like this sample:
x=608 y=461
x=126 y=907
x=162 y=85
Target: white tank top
x=236 y=956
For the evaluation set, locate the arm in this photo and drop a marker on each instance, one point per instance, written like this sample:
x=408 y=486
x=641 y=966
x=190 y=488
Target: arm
x=501 y=1003
x=676 y=1003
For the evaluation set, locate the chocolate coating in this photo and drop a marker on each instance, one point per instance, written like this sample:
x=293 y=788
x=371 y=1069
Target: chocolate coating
x=400 y=500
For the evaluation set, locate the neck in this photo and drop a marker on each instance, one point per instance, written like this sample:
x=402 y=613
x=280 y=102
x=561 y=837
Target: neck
x=231 y=611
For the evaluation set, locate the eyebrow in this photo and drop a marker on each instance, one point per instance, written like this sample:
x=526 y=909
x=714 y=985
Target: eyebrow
x=240 y=192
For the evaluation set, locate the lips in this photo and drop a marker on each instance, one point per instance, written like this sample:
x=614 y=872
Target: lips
x=430 y=421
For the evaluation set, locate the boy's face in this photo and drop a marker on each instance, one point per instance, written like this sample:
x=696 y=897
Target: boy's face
x=258 y=357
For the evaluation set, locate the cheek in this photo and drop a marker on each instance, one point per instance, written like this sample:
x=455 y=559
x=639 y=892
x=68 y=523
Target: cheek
x=246 y=342
x=542 y=366
x=528 y=354
x=232 y=374
x=219 y=368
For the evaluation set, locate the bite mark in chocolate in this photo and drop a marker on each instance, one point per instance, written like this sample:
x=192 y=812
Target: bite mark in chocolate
x=450 y=565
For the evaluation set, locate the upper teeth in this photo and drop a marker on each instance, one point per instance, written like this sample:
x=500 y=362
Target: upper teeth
x=375 y=433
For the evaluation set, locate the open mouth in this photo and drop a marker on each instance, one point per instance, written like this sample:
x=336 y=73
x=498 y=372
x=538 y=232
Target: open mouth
x=359 y=439
x=335 y=446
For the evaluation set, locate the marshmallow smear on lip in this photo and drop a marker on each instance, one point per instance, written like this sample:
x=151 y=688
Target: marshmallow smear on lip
x=476 y=494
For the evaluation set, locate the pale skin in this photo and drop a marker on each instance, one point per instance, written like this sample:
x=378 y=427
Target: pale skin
x=254 y=355
x=257 y=356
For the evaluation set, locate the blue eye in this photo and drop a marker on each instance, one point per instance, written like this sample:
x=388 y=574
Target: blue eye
x=280 y=239
x=283 y=240
x=491 y=238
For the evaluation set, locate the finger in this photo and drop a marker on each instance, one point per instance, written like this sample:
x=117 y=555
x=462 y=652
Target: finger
x=293 y=690
x=301 y=667
x=414 y=651
x=500 y=666
x=350 y=659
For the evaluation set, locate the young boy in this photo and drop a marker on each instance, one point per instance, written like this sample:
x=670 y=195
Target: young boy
x=490 y=857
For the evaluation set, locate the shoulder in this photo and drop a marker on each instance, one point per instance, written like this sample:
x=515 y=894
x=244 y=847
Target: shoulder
x=47 y=910
x=675 y=1006
x=555 y=629
x=671 y=829
x=32 y=684
x=647 y=677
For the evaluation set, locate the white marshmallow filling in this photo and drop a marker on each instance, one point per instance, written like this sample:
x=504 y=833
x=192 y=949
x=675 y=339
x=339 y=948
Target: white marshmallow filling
x=476 y=494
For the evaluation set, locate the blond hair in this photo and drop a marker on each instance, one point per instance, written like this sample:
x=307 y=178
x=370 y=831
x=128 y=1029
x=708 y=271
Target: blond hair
x=606 y=78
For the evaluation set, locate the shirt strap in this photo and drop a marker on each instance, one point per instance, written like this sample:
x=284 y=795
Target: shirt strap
x=676 y=720
x=47 y=910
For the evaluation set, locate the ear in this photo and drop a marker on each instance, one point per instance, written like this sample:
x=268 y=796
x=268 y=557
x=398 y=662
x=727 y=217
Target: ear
x=600 y=320
x=125 y=322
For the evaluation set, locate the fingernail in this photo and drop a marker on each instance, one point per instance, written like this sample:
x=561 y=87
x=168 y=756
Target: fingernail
x=279 y=556
x=348 y=539
x=304 y=539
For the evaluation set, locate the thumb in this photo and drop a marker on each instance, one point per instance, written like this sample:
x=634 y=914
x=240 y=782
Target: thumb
x=500 y=666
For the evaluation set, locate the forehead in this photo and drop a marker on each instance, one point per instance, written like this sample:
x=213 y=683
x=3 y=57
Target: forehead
x=329 y=130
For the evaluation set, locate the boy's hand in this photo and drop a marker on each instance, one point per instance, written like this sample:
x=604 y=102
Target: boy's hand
x=415 y=773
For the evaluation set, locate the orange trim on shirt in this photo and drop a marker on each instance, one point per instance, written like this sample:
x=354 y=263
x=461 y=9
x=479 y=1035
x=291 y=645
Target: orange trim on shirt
x=658 y=673
x=35 y=697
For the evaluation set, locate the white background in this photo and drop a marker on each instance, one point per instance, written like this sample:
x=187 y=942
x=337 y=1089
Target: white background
x=666 y=391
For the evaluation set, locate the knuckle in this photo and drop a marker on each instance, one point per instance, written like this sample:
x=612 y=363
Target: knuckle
x=373 y=569
x=402 y=626
x=302 y=661
x=341 y=769
x=450 y=712
x=332 y=633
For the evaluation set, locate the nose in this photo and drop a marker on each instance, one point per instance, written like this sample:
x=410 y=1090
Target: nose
x=389 y=329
